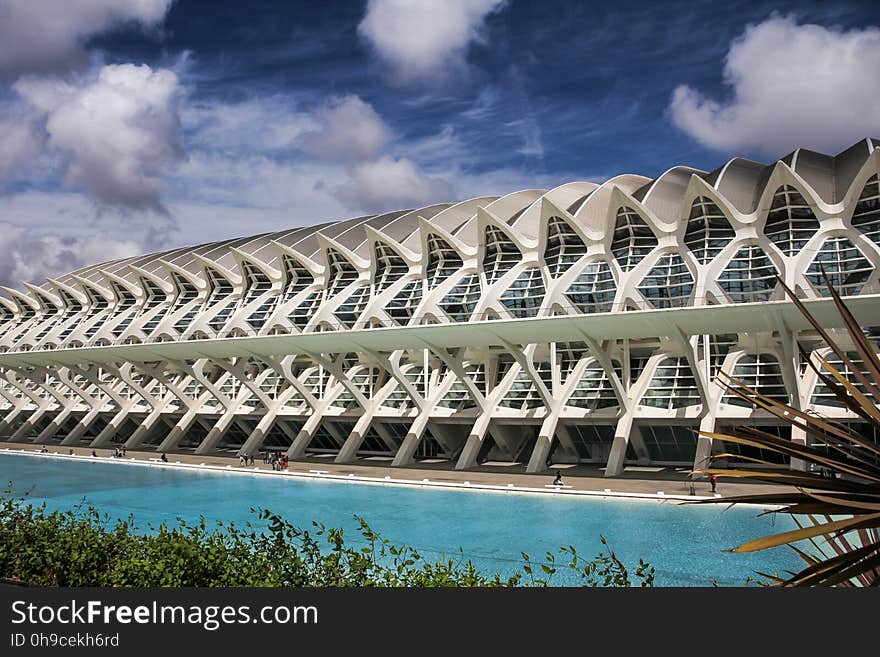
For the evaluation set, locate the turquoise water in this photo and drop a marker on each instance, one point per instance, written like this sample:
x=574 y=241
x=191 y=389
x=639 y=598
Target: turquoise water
x=683 y=543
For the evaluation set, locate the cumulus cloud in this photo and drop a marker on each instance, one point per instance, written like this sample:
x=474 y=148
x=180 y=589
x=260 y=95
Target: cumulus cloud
x=792 y=85
x=389 y=183
x=117 y=134
x=349 y=130
x=425 y=38
x=31 y=257
x=43 y=35
x=21 y=141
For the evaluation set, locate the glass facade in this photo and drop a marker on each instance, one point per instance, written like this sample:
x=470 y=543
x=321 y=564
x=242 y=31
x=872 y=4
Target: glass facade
x=822 y=393
x=390 y=266
x=672 y=386
x=790 y=222
x=340 y=273
x=750 y=276
x=708 y=230
x=443 y=261
x=501 y=254
x=350 y=309
x=594 y=288
x=669 y=283
x=403 y=306
x=564 y=247
x=525 y=295
x=297 y=278
x=633 y=239
x=593 y=390
x=847 y=268
x=462 y=299
x=761 y=373
x=866 y=216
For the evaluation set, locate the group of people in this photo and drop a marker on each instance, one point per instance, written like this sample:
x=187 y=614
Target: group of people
x=118 y=452
x=276 y=460
x=245 y=459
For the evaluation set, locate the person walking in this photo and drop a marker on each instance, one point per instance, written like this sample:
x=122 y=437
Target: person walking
x=558 y=480
x=714 y=481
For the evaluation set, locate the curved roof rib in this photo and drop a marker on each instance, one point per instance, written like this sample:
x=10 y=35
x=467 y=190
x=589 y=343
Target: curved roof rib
x=740 y=183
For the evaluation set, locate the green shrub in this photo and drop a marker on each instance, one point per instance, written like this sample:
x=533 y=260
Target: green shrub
x=82 y=547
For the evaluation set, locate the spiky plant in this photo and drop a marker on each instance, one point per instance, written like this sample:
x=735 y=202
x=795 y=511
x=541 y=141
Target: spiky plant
x=837 y=509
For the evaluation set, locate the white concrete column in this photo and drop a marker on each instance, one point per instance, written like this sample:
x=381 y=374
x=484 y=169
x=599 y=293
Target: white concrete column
x=412 y=439
x=614 y=467
x=76 y=433
x=216 y=433
x=255 y=440
x=468 y=457
x=174 y=436
x=297 y=449
x=355 y=438
x=146 y=426
x=53 y=427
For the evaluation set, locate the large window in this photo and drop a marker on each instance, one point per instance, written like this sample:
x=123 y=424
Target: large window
x=258 y=284
x=522 y=393
x=443 y=261
x=350 y=309
x=719 y=347
x=458 y=397
x=761 y=373
x=459 y=304
x=669 y=283
x=220 y=289
x=390 y=267
x=790 y=222
x=501 y=254
x=672 y=386
x=822 y=394
x=341 y=273
x=593 y=390
x=708 y=230
x=670 y=443
x=154 y=298
x=593 y=442
x=867 y=213
x=564 y=246
x=298 y=278
x=633 y=239
x=403 y=306
x=186 y=293
x=846 y=267
x=750 y=276
x=523 y=298
x=303 y=313
x=594 y=289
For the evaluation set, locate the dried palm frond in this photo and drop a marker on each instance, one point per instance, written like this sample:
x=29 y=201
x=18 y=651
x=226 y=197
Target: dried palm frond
x=838 y=515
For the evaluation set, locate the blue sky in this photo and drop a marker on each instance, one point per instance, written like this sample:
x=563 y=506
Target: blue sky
x=127 y=127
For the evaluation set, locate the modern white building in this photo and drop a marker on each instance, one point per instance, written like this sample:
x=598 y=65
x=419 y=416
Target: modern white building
x=587 y=323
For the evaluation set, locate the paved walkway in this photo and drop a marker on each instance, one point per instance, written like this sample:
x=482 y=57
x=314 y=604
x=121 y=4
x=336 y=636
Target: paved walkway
x=655 y=482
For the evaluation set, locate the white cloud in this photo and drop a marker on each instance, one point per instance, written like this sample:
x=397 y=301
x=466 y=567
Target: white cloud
x=259 y=125
x=792 y=85
x=117 y=133
x=21 y=141
x=391 y=184
x=349 y=130
x=45 y=35
x=424 y=38
x=32 y=257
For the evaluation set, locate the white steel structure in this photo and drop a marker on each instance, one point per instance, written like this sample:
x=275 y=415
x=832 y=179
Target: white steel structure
x=587 y=323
